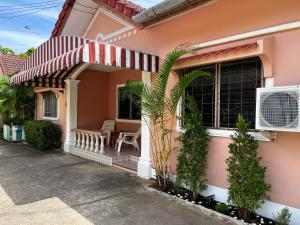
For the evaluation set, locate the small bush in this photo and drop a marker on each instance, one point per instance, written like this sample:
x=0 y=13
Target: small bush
x=283 y=217
x=246 y=176
x=43 y=135
x=192 y=159
x=222 y=208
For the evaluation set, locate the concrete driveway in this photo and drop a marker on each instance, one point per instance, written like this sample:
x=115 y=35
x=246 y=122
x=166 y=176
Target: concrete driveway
x=88 y=191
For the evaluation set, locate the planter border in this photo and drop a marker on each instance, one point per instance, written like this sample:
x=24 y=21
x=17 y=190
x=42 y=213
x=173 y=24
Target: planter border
x=203 y=209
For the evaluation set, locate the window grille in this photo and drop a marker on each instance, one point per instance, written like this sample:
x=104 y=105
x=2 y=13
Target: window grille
x=229 y=91
x=50 y=105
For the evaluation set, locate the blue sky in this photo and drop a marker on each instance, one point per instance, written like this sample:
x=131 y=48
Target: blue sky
x=39 y=18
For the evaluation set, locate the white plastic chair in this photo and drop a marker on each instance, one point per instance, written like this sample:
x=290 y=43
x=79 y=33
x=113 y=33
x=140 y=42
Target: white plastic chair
x=128 y=138
x=108 y=127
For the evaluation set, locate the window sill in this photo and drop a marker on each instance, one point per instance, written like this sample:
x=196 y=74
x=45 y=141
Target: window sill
x=128 y=121
x=227 y=133
x=50 y=118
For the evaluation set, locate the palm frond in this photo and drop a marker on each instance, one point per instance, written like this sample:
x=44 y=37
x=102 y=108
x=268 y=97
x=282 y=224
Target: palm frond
x=178 y=90
x=165 y=70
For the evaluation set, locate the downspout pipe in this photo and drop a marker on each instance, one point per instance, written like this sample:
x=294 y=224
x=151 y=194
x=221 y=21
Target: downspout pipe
x=159 y=9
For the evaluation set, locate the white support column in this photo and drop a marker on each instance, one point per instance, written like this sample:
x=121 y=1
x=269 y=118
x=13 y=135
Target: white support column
x=71 y=112
x=145 y=164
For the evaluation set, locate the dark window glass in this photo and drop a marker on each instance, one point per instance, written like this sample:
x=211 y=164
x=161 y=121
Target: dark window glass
x=127 y=108
x=203 y=91
x=50 y=105
x=238 y=83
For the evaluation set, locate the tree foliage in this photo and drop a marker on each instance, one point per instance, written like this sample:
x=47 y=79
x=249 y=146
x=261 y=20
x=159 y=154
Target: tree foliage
x=192 y=159
x=246 y=175
x=28 y=52
x=6 y=51
x=9 y=51
x=18 y=101
x=283 y=217
x=160 y=108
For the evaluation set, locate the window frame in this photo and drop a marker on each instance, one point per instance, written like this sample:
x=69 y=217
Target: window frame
x=117 y=108
x=218 y=131
x=57 y=106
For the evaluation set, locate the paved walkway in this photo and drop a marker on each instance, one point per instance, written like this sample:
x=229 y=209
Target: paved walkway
x=55 y=188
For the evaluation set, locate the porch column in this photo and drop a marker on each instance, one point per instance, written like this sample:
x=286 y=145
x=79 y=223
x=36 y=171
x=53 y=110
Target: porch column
x=145 y=165
x=71 y=112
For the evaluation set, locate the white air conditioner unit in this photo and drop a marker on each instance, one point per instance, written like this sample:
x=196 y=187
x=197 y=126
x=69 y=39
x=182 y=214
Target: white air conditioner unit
x=277 y=109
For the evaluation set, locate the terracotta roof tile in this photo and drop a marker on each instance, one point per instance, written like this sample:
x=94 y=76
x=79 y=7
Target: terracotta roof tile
x=124 y=7
x=10 y=63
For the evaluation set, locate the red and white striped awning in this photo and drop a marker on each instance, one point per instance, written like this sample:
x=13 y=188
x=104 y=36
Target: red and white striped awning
x=51 y=63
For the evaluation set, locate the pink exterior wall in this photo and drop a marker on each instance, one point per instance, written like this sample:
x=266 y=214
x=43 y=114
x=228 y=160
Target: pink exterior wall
x=61 y=107
x=92 y=99
x=97 y=94
x=103 y=24
x=233 y=17
x=280 y=157
x=97 y=98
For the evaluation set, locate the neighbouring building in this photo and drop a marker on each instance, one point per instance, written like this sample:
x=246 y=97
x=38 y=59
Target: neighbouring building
x=10 y=64
x=97 y=45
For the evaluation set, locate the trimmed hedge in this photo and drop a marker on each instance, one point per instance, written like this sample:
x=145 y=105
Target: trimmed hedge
x=43 y=135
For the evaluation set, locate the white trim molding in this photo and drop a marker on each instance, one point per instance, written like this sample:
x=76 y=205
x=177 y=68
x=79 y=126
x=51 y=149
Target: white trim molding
x=145 y=162
x=71 y=112
x=269 y=209
x=259 y=136
x=251 y=34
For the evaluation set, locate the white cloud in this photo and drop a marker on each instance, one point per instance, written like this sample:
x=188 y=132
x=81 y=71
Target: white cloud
x=20 y=42
x=51 y=14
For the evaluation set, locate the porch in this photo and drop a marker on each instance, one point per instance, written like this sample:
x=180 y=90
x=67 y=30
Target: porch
x=87 y=77
x=91 y=145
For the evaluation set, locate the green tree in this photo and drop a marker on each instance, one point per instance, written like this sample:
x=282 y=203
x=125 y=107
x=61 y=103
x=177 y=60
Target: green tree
x=28 y=52
x=6 y=51
x=7 y=96
x=192 y=159
x=246 y=176
x=18 y=101
x=160 y=107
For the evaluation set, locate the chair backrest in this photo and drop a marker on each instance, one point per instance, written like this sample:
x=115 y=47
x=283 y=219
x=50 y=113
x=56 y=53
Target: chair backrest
x=108 y=125
x=137 y=135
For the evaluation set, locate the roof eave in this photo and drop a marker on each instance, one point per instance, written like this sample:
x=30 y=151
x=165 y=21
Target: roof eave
x=165 y=10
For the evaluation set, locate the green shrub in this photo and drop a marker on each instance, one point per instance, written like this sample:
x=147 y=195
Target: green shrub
x=246 y=175
x=43 y=135
x=222 y=208
x=283 y=217
x=192 y=159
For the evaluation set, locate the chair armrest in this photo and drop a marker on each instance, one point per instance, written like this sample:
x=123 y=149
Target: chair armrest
x=129 y=134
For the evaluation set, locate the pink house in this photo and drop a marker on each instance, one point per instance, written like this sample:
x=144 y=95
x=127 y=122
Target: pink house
x=97 y=45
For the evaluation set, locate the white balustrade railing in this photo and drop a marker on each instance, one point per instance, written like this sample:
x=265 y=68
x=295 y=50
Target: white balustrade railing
x=92 y=141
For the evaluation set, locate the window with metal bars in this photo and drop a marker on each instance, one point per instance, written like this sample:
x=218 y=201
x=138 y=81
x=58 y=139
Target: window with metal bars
x=127 y=108
x=229 y=91
x=50 y=105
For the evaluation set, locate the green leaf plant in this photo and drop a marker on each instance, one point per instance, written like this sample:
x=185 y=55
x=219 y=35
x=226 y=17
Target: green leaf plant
x=16 y=101
x=192 y=159
x=159 y=104
x=246 y=176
